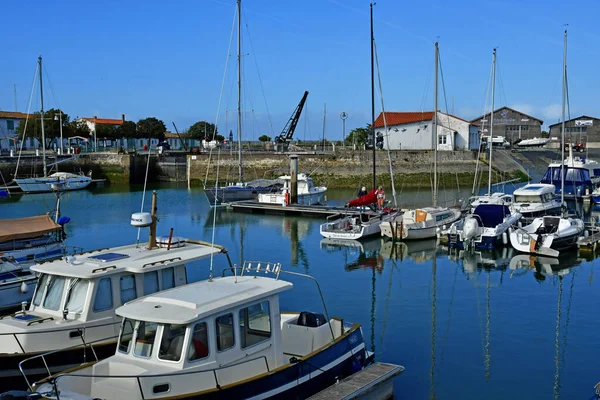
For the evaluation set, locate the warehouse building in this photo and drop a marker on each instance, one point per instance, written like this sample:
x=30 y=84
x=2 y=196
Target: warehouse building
x=578 y=130
x=513 y=125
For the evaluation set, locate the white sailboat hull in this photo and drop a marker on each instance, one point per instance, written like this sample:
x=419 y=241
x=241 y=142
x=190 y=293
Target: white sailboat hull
x=541 y=238
x=44 y=185
x=401 y=229
x=347 y=228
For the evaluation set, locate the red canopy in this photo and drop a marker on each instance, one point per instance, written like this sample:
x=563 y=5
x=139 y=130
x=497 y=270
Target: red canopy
x=367 y=199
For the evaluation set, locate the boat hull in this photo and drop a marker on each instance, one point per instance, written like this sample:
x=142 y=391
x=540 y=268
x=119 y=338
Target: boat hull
x=229 y=194
x=44 y=185
x=315 y=197
x=38 y=253
x=369 y=228
x=527 y=240
x=16 y=289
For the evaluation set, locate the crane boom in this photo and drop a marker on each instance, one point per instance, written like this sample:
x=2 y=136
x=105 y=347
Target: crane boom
x=180 y=139
x=288 y=131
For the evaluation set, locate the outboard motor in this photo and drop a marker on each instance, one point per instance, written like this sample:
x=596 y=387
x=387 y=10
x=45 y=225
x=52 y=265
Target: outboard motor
x=470 y=228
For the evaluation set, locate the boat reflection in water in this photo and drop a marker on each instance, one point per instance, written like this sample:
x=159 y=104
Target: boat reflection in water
x=364 y=254
x=544 y=267
x=472 y=261
x=419 y=251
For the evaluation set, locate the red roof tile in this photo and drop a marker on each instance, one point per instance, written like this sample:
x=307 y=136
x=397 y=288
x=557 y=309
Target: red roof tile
x=12 y=115
x=399 y=118
x=104 y=121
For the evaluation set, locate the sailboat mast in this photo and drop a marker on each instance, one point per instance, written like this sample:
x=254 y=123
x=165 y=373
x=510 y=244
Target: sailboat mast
x=42 y=117
x=373 y=100
x=562 y=136
x=435 y=129
x=490 y=141
x=239 y=109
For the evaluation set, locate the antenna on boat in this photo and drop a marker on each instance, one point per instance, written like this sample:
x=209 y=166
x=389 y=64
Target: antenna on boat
x=145 y=219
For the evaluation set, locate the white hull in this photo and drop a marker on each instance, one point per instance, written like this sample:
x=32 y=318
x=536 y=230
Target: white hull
x=15 y=290
x=37 y=253
x=315 y=197
x=44 y=185
x=535 y=142
x=399 y=229
x=346 y=228
x=530 y=239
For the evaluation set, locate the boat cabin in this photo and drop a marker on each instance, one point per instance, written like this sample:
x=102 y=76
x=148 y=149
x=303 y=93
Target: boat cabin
x=582 y=176
x=201 y=337
x=495 y=198
x=305 y=183
x=534 y=193
x=428 y=216
x=77 y=296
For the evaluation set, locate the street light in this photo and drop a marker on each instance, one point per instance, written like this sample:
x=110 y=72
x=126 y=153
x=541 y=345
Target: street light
x=343 y=116
x=59 y=118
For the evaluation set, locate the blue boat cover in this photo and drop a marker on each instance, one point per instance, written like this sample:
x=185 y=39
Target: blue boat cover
x=491 y=214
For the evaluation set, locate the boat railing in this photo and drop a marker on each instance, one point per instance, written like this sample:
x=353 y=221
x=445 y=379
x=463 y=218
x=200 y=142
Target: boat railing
x=85 y=346
x=267 y=267
x=156 y=382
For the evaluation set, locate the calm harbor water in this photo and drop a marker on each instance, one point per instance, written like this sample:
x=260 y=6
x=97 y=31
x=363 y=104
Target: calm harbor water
x=485 y=325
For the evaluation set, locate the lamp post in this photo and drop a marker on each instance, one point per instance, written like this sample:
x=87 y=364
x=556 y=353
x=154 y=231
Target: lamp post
x=343 y=116
x=59 y=118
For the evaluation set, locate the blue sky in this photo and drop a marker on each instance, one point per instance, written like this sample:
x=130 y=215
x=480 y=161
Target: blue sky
x=167 y=59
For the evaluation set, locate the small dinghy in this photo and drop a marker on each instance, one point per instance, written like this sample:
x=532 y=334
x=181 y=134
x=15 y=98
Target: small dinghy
x=547 y=235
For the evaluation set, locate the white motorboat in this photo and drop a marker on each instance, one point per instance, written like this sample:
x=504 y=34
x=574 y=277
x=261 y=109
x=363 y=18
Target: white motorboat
x=308 y=193
x=486 y=228
x=534 y=142
x=582 y=176
x=220 y=338
x=494 y=198
x=65 y=180
x=547 y=235
x=423 y=223
x=536 y=200
x=352 y=227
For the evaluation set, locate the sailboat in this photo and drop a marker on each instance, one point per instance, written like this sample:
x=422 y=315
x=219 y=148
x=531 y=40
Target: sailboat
x=549 y=235
x=352 y=227
x=61 y=180
x=240 y=190
x=488 y=226
x=424 y=223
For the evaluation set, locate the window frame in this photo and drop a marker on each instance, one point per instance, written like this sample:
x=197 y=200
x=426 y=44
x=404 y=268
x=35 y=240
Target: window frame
x=184 y=341
x=193 y=328
x=155 y=280
x=112 y=299
x=121 y=288
x=135 y=338
x=268 y=338
x=133 y=333
x=232 y=331
x=162 y=277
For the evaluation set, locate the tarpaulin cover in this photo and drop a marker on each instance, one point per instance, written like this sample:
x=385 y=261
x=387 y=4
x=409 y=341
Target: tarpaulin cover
x=365 y=200
x=25 y=228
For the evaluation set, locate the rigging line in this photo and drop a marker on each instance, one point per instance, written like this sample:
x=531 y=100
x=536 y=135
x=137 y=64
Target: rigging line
x=387 y=133
x=449 y=127
x=144 y=191
x=27 y=119
x=498 y=70
x=568 y=319
x=483 y=120
x=426 y=89
x=220 y=99
x=259 y=77
x=51 y=86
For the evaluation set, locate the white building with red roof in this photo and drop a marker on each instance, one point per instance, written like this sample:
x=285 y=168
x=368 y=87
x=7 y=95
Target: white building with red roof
x=414 y=131
x=9 y=122
x=94 y=121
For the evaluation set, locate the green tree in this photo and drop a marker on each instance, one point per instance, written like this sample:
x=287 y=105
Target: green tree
x=75 y=128
x=201 y=129
x=128 y=130
x=359 y=136
x=264 y=138
x=52 y=121
x=151 y=128
x=107 y=131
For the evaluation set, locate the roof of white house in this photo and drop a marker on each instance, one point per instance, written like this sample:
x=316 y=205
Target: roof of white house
x=408 y=117
x=198 y=300
x=131 y=258
x=13 y=115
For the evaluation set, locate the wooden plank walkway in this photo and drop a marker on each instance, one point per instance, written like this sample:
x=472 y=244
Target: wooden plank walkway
x=373 y=382
x=293 y=209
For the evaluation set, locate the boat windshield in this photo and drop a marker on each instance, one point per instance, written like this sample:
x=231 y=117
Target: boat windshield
x=51 y=288
x=527 y=198
x=126 y=335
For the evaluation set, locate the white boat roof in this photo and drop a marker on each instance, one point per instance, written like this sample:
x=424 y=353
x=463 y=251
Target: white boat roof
x=301 y=177
x=577 y=162
x=130 y=258
x=198 y=300
x=535 y=189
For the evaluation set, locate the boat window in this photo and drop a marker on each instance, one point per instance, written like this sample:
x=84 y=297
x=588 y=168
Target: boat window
x=54 y=293
x=442 y=217
x=526 y=198
x=171 y=343
x=40 y=288
x=255 y=324
x=199 y=343
x=225 y=338
x=168 y=278
x=78 y=289
x=126 y=335
x=150 y=282
x=127 y=288
x=104 y=295
x=144 y=339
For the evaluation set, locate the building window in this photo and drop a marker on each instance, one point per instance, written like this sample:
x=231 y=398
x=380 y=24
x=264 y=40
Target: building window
x=10 y=125
x=255 y=324
x=127 y=288
x=524 y=128
x=199 y=343
x=104 y=296
x=442 y=139
x=225 y=338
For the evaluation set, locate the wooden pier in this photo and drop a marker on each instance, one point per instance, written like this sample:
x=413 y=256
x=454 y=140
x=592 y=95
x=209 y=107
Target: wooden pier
x=319 y=211
x=373 y=382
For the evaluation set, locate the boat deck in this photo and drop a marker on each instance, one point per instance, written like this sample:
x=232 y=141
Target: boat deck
x=255 y=207
x=373 y=382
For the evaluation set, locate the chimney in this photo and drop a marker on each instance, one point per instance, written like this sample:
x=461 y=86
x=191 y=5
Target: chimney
x=123 y=117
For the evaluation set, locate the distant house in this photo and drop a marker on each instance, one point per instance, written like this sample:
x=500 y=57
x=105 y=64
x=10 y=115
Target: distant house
x=413 y=131
x=94 y=121
x=175 y=141
x=581 y=129
x=9 y=122
x=511 y=124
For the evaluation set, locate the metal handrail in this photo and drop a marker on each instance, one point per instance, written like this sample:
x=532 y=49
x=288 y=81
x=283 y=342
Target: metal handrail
x=177 y=373
x=150 y=264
